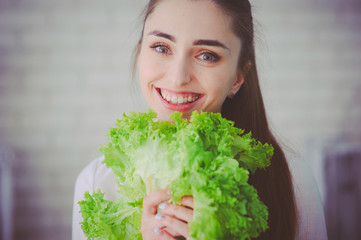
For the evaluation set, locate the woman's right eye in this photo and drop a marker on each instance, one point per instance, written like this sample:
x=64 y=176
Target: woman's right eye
x=161 y=48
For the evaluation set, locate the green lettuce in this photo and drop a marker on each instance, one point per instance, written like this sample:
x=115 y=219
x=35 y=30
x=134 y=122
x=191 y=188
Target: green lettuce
x=206 y=157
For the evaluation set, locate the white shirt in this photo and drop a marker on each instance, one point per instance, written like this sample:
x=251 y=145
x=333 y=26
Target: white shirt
x=310 y=210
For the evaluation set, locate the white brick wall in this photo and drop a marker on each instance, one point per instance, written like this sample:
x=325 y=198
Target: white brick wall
x=65 y=77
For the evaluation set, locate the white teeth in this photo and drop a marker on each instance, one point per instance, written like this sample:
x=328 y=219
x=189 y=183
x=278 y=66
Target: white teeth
x=174 y=100
x=178 y=100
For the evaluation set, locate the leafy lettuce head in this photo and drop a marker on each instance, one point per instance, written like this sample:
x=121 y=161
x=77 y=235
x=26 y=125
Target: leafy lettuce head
x=207 y=158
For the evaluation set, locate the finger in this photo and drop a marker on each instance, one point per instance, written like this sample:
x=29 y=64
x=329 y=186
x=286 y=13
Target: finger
x=187 y=201
x=171 y=232
x=176 y=225
x=161 y=225
x=166 y=236
x=151 y=201
x=183 y=213
x=156 y=229
x=162 y=234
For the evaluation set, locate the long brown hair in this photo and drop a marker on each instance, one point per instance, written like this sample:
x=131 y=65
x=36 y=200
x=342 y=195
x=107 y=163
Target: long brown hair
x=247 y=110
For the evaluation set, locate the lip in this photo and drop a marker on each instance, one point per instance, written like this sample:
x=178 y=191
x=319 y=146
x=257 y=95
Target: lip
x=179 y=108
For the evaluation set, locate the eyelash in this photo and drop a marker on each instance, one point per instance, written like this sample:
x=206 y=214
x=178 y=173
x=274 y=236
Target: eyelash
x=215 y=57
x=159 y=44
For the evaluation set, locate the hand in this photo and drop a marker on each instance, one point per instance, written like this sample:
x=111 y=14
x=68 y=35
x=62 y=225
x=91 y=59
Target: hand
x=170 y=222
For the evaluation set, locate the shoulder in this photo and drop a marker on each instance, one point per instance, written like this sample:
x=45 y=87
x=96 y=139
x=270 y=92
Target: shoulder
x=93 y=177
x=87 y=174
x=302 y=175
x=97 y=175
x=308 y=199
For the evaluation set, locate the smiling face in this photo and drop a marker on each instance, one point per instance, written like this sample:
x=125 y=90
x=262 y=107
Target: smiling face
x=188 y=58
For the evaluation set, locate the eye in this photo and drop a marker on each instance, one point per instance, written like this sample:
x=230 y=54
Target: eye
x=161 y=48
x=208 y=57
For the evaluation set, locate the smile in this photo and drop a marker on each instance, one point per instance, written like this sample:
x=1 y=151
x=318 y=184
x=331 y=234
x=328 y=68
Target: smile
x=178 y=98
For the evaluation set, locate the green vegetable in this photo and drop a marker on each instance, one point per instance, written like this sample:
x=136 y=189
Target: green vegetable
x=206 y=157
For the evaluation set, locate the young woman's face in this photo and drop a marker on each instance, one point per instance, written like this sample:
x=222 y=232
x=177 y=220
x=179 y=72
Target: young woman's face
x=188 y=58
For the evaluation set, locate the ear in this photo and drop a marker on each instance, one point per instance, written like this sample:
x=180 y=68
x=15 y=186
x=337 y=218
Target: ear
x=236 y=85
x=239 y=80
x=137 y=52
x=138 y=45
x=139 y=48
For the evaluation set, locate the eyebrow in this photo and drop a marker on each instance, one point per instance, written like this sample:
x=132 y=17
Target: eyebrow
x=206 y=42
x=162 y=34
x=213 y=43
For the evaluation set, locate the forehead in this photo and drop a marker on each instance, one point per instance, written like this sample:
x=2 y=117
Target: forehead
x=199 y=19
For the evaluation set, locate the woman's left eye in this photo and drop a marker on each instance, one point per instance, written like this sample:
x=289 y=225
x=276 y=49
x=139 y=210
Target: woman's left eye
x=208 y=57
x=161 y=48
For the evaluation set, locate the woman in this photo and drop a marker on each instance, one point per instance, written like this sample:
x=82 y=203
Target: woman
x=199 y=55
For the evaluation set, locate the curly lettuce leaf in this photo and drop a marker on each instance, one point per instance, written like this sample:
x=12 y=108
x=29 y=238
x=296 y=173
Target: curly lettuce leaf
x=105 y=219
x=206 y=157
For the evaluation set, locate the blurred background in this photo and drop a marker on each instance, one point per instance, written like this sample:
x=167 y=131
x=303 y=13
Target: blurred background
x=65 y=76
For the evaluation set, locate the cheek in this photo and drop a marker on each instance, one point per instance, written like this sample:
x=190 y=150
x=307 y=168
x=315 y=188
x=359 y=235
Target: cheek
x=149 y=69
x=145 y=72
x=218 y=82
x=143 y=67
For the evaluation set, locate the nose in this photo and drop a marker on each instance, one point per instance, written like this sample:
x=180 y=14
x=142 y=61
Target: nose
x=180 y=71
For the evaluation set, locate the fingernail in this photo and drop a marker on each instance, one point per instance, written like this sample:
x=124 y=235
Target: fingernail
x=162 y=205
x=169 y=192
x=158 y=216
x=157 y=231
